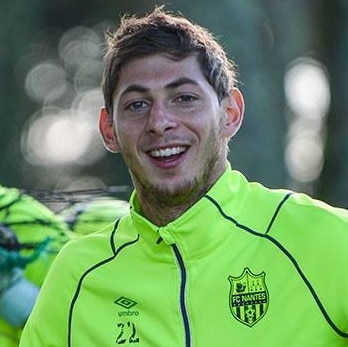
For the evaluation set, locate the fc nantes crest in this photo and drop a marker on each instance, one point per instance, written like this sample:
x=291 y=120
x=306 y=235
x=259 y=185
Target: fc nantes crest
x=248 y=297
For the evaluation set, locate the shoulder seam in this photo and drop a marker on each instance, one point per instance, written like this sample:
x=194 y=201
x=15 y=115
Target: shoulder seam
x=277 y=210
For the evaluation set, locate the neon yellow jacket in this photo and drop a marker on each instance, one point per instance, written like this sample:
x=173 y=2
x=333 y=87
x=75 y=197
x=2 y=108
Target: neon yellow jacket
x=245 y=266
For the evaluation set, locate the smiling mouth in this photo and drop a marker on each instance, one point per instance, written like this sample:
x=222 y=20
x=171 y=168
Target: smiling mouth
x=167 y=152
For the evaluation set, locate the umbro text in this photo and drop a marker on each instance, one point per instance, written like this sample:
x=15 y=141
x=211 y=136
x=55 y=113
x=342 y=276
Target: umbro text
x=128 y=313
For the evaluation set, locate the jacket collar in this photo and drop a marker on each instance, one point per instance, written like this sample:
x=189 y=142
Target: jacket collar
x=199 y=229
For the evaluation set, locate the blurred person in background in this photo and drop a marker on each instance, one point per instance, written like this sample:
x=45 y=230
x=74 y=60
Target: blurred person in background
x=205 y=257
x=30 y=237
x=93 y=214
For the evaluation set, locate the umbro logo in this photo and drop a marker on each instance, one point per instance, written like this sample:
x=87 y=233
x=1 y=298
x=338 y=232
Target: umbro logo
x=125 y=302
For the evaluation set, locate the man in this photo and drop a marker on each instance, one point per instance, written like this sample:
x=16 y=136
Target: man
x=204 y=258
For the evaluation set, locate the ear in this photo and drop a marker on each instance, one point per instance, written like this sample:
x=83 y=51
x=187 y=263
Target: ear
x=234 y=112
x=107 y=131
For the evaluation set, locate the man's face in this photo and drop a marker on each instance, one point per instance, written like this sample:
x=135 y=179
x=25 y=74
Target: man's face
x=170 y=127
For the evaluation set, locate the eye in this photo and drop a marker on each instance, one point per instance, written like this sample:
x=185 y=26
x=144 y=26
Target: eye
x=186 y=98
x=136 y=105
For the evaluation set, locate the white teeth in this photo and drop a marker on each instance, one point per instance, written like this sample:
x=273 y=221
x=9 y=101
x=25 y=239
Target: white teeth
x=167 y=152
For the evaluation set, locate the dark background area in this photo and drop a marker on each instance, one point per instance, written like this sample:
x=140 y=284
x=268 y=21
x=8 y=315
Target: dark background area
x=292 y=57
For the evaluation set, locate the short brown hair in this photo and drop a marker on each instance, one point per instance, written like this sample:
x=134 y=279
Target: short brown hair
x=173 y=35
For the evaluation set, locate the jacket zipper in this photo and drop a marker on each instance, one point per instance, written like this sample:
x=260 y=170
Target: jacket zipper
x=182 y=296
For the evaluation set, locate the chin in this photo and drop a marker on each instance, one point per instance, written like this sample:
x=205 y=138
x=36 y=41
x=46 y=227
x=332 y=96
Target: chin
x=178 y=193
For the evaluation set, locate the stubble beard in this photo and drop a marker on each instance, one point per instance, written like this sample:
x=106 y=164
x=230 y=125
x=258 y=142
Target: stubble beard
x=190 y=190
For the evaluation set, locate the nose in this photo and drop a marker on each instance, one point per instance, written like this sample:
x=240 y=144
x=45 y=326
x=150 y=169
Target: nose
x=160 y=120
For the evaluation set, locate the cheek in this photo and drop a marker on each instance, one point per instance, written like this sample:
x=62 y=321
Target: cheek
x=126 y=135
x=130 y=144
x=209 y=130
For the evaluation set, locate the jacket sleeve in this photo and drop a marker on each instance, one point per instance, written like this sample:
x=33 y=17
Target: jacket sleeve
x=315 y=236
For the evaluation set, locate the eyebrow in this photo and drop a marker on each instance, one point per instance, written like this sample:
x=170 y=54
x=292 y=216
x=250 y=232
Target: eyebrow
x=134 y=88
x=172 y=85
x=179 y=82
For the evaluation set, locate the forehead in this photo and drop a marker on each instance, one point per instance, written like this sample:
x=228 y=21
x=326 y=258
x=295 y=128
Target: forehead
x=158 y=71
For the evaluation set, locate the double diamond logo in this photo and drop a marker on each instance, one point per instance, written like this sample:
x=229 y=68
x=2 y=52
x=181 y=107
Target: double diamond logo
x=125 y=303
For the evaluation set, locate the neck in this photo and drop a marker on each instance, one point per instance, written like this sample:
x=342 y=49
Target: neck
x=160 y=214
